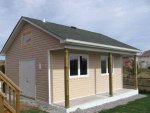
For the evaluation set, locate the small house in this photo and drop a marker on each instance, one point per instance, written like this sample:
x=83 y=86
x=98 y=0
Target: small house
x=66 y=66
x=144 y=60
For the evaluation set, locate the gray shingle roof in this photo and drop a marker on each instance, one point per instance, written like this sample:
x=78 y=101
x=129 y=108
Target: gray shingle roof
x=66 y=32
x=146 y=53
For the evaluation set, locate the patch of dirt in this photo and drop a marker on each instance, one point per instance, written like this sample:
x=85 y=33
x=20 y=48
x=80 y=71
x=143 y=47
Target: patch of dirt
x=27 y=106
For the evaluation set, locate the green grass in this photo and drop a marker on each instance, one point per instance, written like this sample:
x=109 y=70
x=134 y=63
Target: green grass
x=137 y=106
x=143 y=70
x=33 y=111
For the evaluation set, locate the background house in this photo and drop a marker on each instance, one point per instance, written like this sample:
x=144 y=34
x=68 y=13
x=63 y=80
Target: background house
x=144 y=60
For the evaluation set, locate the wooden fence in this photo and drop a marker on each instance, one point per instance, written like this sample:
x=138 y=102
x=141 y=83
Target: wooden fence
x=9 y=95
x=2 y=68
x=143 y=83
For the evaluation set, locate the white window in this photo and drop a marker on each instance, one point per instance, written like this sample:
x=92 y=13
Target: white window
x=78 y=65
x=104 y=65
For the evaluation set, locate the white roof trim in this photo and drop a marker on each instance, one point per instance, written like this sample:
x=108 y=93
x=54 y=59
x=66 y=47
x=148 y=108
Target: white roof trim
x=93 y=49
x=99 y=45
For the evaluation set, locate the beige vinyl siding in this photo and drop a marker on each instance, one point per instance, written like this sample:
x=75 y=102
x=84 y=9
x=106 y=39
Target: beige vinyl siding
x=79 y=87
x=57 y=75
x=38 y=51
x=102 y=81
x=84 y=85
x=118 y=73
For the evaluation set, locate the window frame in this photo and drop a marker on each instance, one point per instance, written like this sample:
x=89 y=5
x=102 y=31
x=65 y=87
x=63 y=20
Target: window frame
x=107 y=73
x=79 y=74
x=22 y=39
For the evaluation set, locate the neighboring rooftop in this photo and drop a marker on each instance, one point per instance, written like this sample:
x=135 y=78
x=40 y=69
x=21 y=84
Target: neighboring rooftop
x=66 y=32
x=146 y=53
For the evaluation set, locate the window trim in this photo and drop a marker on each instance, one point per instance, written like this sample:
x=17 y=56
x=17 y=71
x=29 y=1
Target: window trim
x=79 y=75
x=22 y=39
x=107 y=73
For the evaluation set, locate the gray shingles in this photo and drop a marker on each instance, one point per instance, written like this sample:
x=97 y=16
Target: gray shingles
x=66 y=32
x=146 y=53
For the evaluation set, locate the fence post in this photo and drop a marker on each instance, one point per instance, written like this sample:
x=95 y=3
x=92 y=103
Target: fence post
x=135 y=72
x=17 y=102
x=66 y=77
x=110 y=74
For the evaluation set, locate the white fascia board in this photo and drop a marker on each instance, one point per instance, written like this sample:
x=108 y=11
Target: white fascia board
x=93 y=49
x=100 y=45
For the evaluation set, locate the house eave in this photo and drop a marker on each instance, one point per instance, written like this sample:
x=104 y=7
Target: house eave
x=101 y=50
x=100 y=46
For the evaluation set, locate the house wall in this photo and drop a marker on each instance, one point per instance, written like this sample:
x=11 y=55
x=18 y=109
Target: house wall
x=102 y=81
x=143 y=62
x=94 y=83
x=38 y=51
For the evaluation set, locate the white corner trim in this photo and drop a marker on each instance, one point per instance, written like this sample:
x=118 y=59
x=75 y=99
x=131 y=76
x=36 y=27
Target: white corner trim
x=49 y=79
x=99 y=45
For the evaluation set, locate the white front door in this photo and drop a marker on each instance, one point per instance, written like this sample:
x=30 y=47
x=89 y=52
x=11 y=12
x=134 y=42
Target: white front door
x=27 y=78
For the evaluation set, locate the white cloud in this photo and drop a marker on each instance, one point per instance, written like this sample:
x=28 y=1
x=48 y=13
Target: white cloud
x=28 y=7
x=124 y=20
x=119 y=11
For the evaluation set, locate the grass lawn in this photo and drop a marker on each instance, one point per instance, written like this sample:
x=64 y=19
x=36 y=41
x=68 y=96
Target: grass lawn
x=32 y=111
x=137 y=106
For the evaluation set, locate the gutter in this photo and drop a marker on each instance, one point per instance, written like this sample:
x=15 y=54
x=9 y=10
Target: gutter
x=78 y=42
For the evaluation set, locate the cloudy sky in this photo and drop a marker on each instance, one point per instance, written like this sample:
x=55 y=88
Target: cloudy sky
x=124 y=20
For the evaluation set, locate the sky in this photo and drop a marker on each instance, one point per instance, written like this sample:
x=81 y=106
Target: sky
x=125 y=20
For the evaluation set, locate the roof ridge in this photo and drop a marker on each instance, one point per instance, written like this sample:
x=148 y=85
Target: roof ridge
x=47 y=22
x=69 y=26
